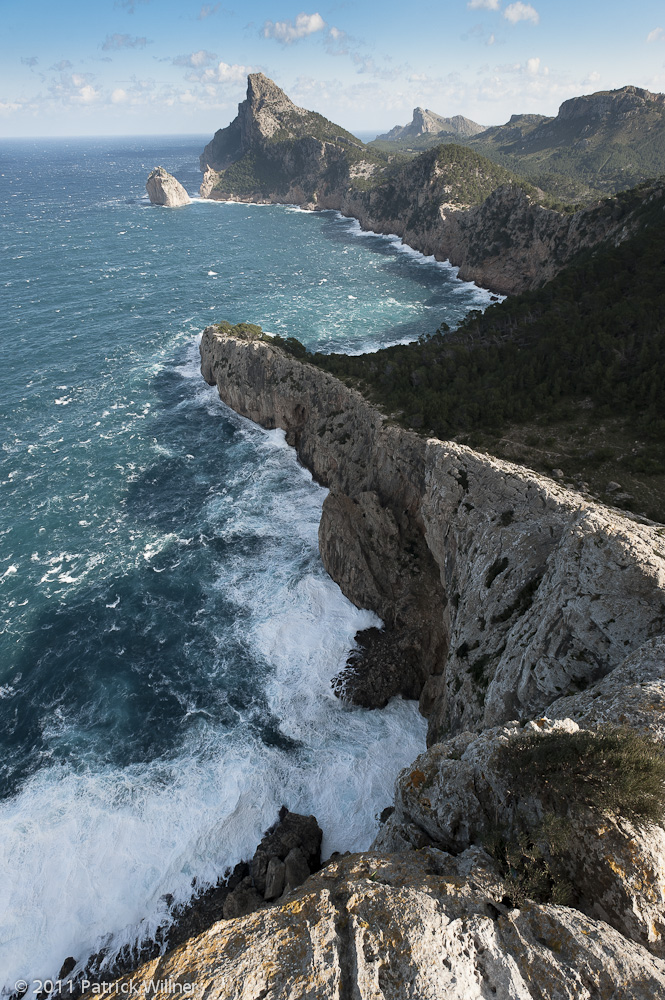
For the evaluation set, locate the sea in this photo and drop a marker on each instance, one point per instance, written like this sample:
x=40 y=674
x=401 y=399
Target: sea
x=169 y=633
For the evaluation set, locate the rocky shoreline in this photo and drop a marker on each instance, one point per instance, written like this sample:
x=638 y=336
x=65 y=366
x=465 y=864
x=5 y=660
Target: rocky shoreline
x=528 y=619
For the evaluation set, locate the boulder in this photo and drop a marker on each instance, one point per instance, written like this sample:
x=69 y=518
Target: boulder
x=164 y=189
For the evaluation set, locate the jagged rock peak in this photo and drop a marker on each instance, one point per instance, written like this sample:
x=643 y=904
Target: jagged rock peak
x=426 y=122
x=164 y=189
x=262 y=88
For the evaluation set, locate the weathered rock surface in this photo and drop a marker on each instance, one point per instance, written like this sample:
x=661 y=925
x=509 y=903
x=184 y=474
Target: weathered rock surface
x=423 y=925
x=512 y=590
x=164 y=189
x=505 y=240
x=632 y=695
x=458 y=794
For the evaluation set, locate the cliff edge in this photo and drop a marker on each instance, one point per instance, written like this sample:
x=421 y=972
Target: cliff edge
x=500 y=590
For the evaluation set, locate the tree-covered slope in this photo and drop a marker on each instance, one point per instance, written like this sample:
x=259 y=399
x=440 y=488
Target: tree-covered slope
x=571 y=374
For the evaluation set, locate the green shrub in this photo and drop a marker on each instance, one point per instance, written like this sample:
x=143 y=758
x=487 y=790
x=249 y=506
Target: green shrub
x=612 y=770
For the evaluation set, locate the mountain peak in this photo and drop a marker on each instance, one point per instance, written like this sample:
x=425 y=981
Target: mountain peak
x=261 y=89
x=427 y=122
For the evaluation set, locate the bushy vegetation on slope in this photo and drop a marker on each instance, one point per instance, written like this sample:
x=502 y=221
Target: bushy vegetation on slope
x=586 y=350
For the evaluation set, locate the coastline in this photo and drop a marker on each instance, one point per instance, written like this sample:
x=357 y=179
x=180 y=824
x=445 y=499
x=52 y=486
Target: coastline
x=441 y=540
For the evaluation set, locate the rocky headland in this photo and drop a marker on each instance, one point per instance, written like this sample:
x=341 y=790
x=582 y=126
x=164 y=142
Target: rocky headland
x=524 y=855
x=450 y=201
x=164 y=189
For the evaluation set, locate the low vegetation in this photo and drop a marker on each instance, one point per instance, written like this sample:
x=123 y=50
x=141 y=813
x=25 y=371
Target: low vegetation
x=614 y=771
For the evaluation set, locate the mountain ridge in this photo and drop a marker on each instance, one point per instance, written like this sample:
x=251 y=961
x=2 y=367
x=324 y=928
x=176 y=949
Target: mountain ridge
x=451 y=201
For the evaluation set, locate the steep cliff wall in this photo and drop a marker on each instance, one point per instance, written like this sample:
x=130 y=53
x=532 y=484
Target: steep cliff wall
x=501 y=591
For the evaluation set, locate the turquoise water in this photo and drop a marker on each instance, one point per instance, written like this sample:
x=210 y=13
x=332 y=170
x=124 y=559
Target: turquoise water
x=169 y=633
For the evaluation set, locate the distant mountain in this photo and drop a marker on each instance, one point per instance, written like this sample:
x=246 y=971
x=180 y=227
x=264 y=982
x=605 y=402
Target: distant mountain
x=450 y=201
x=598 y=144
x=429 y=123
x=601 y=143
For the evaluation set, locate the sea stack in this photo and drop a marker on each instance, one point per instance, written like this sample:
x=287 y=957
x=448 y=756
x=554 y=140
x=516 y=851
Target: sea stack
x=164 y=189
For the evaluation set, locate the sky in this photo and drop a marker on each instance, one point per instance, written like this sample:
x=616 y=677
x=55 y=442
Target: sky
x=122 y=67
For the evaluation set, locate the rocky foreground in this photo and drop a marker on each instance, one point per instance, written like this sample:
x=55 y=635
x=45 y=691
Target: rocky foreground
x=532 y=623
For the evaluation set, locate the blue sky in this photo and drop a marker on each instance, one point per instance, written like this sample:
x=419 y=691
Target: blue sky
x=159 y=66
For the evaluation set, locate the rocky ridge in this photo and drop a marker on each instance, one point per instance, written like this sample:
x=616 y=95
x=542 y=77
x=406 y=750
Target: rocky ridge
x=164 y=189
x=426 y=122
x=450 y=201
x=431 y=910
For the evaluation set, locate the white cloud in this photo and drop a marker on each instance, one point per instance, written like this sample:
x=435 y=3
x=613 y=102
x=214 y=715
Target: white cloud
x=63 y=64
x=287 y=32
x=113 y=42
x=533 y=65
x=519 y=11
x=119 y=96
x=491 y=40
x=87 y=94
x=483 y=4
x=223 y=73
x=208 y=10
x=657 y=35
x=195 y=59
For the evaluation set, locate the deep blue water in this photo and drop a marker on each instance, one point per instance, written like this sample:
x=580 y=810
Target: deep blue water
x=168 y=631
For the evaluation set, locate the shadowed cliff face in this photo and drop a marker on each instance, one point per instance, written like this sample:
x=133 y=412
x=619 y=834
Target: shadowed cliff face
x=504 y=590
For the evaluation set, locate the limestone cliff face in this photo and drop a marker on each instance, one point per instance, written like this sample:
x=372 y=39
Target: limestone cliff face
x=509 y=590
x=420 y=924
x=164 y=189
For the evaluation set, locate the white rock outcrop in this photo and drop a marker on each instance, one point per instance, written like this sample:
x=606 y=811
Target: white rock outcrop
x=416 y=925
x=459 y=793
x=164 y=189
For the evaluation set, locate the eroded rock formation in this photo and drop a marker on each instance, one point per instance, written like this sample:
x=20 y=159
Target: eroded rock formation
x=164 y=189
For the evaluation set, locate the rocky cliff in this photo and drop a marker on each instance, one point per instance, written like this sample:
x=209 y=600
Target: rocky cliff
x=416 y=924
x=534 y=593
x=450 y=201
x=164 y=189
x=502 y=590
